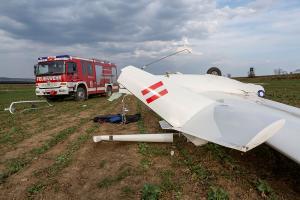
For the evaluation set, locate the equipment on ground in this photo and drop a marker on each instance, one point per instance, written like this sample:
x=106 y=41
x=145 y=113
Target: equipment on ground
x=117 y=118
x=33 y=105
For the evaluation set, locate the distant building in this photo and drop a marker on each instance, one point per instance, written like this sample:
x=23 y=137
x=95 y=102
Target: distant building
x=251 y=73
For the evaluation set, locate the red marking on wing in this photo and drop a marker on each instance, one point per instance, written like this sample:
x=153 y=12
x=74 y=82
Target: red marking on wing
x=163 y=92
x=152 y=87
x=154 y=97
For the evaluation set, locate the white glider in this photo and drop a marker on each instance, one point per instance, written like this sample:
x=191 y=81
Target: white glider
x=217 y=109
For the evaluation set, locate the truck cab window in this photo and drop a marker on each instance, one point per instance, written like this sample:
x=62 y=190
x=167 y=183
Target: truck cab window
x=50 y=67
x=90 y=69
x=114 y=74
x=83 y=64
x=72 y=67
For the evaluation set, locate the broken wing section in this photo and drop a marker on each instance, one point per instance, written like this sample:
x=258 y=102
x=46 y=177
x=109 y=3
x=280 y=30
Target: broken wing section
x=199 y=116
x=286 y=140
x=241 y=125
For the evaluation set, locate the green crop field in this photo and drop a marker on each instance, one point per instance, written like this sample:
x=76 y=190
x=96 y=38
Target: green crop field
x=282 y=90
x=49 y=153
x=15 y=92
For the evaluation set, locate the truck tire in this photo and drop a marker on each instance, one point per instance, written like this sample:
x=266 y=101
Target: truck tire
x=80 y=94
x=214 y=71
x=108 y=92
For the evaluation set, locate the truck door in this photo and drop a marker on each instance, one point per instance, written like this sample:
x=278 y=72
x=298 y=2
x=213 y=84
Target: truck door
x=91 y=77
x=88 y=75
x=99 y=78
x=107 y=74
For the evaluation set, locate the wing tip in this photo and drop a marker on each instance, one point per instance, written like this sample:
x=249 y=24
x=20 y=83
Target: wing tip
x=264 y=134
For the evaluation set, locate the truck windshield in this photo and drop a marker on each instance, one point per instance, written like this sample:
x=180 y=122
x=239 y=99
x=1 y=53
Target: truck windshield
x=53 y=67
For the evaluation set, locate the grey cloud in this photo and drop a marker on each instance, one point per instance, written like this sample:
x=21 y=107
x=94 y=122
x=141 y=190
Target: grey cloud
x=137 y=32
x=68 y=22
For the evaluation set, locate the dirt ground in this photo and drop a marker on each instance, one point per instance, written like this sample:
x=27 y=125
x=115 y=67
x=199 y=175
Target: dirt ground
x=49 y=154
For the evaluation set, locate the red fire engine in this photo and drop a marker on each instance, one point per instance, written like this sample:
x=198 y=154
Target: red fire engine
x=66 y=75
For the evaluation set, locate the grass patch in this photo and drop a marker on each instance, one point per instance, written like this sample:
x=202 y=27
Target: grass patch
x=106 y=182
x=145 y=163
x=110 y=180
x=150 y=192
x=151 y=150
x=92 y=129
x=62 y=135
x=217 y=193
x=196 y=168
x=3 y=177
x=265 y=189
x=15 y=165
x=166 y=181
x=203 y=174
x=102 y=164
x=64 y=159
x=12 y=167
x=141 y=125
x=200 y=171
x=282 y=89
x=15 y=92
x=13 y=136
x=35 y=189
x=127 y=192
x=219 y=153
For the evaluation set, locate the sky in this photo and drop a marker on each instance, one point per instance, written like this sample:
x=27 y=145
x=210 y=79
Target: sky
x=233 y=35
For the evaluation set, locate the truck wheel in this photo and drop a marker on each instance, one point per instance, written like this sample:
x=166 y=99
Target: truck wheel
x=108 y=91
x=80 y=94
x=214 y=71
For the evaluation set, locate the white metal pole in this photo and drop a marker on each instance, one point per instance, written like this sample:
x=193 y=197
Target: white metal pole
x=165 y=137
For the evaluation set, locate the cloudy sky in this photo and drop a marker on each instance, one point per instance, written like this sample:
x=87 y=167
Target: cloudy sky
x=231 y=34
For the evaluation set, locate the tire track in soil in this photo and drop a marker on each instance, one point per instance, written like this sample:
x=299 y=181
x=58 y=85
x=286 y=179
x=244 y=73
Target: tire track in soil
x=37 y=139
x=34 y=134
x=32 y=142
x=40 y=137
x=35 y=119
x=12 y=188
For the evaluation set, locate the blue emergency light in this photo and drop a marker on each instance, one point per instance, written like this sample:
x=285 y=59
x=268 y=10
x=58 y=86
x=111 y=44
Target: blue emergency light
x=60 y=57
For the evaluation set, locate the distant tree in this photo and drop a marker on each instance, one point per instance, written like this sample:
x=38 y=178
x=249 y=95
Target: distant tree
x=280 y=71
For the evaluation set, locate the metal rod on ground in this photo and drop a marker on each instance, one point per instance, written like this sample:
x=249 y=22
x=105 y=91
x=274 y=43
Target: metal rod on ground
x=124 y=110
x=165 y=137
x=12 y=110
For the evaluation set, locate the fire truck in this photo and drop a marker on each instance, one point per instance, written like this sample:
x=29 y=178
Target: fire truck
x=65 y=75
